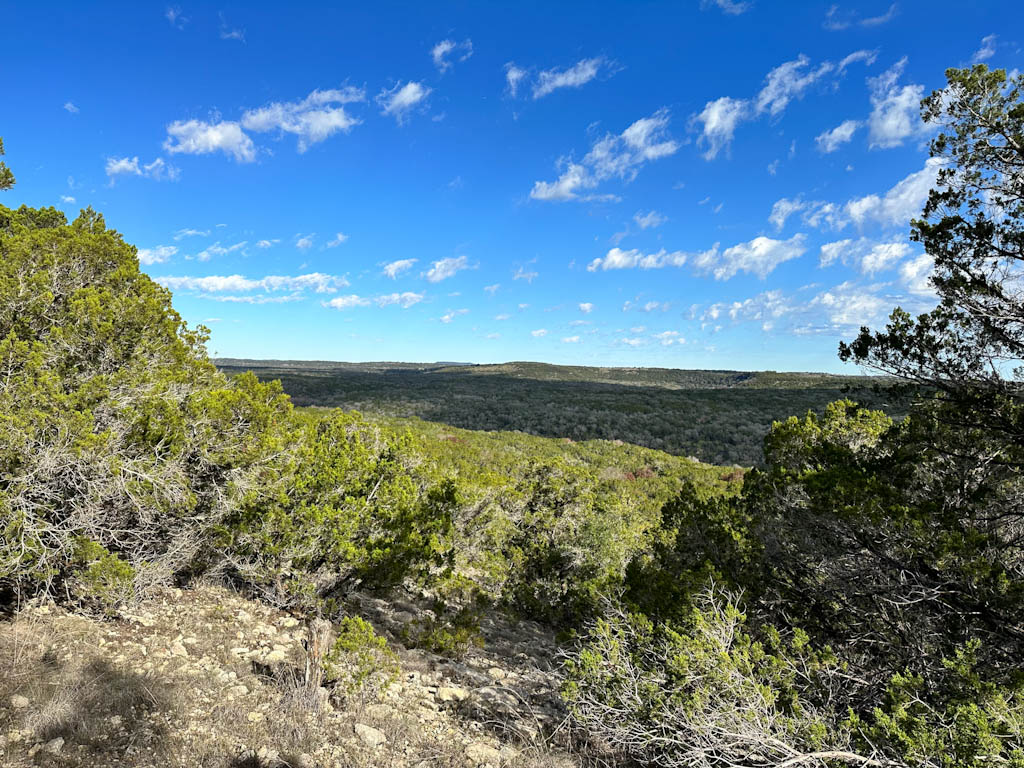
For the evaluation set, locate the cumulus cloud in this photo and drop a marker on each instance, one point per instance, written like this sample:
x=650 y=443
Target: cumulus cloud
x=130 y=166
x=579 y=74
x=304 y=242
x=783 y=209
x=337 y=240
x=440 y=53
x=67 y=199
x=347 y=302
x=788 y=81
x=405 y=299
x=313 y=119
x=451 y=314
x=539 y=333
x=197 y=137
x=157 y=255
x=830 y=141
x=868 y=255
x=586 y=307
x=668 y=338
x=268 y=243
x=402 y=99
x=851 y=306
x=719 y=120
x=895 y=109
x=617 y=258
x=613 y=156
x=571 y=340
x=901 y=203
x=916 y=274
x=759 y=256
x=445 y=268
x=394 y=268
x=649 y=220
x=71 y=108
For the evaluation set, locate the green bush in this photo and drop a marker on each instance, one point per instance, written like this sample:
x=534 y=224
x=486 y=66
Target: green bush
x=101 y=578
x=360 y=662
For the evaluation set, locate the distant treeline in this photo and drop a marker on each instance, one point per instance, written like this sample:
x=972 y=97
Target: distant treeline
x=719 y=417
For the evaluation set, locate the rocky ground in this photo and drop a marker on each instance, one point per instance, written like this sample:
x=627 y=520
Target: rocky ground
x=205 y=677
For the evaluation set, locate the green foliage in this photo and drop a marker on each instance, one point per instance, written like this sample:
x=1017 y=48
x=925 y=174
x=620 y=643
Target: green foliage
x=448 y=632
x=720 y=417
x=359 y=661
x=101 y=577
x=6 y=176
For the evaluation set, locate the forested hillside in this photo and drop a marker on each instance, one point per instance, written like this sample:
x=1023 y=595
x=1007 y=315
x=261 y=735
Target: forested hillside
x=719 y=417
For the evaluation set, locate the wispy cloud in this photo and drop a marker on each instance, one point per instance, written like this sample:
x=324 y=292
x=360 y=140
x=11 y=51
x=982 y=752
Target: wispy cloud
x=731 y=7
x=836 y=19
x=440 y=53
x=181 y=234
x=314 y=281
x=198 y=137
x=649 y=220
x=219 y=250
x=830 y=141
x=617 y=258
x=513 y=77
x=445 y=268
x=337 y=240
x=130 y=166
x=313 y=119
x=613 y=156
x=895 y=108
x=69 y=107
x=984 y=53
x=394 y=268
x=579 y=74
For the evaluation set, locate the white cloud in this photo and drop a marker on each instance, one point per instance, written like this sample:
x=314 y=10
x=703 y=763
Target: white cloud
x=304 y=242
x=503 y=317
x=130 y=166
x=788 y=81
x=720 y=118
x=347 y=302
x=579 y=74
x=616 y=258
x=173 y=15
x=987 y=50
x=783 y=209
x=313 y=119
x=451 y=314
x=183 y=233
x=586 y=307
x=405 y=299
x=394 y=268
x=539 y=333
x=830 y=141
x=868 y=255
x=157 y=255
x=571 y=340
x=315 y=281
x=70 y=107
x=268 y=243
x=758 y=257
x=836 y=19
x=401 y=99
x=634 y=342
x=901 y=203
x=67 y=199
x=915 y=274
x=668 y=338
x=895 y=108
x=868 y=57
x=197 y=137
x=219 y=250
x=337 y=240
x=439 y=53
x=492 y=289
x=731 y=7
x=522 y=273
x=513 y=76
x=850 y=306
x=445 y=268
x=649 y=220
x=613 y=156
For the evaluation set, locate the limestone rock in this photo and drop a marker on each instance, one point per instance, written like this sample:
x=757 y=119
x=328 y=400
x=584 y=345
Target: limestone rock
x=369 y=735
x=452 y=693
x=18 y=702
x=480 y=753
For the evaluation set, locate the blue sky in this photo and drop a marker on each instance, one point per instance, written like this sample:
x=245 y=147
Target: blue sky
x=690 y=184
